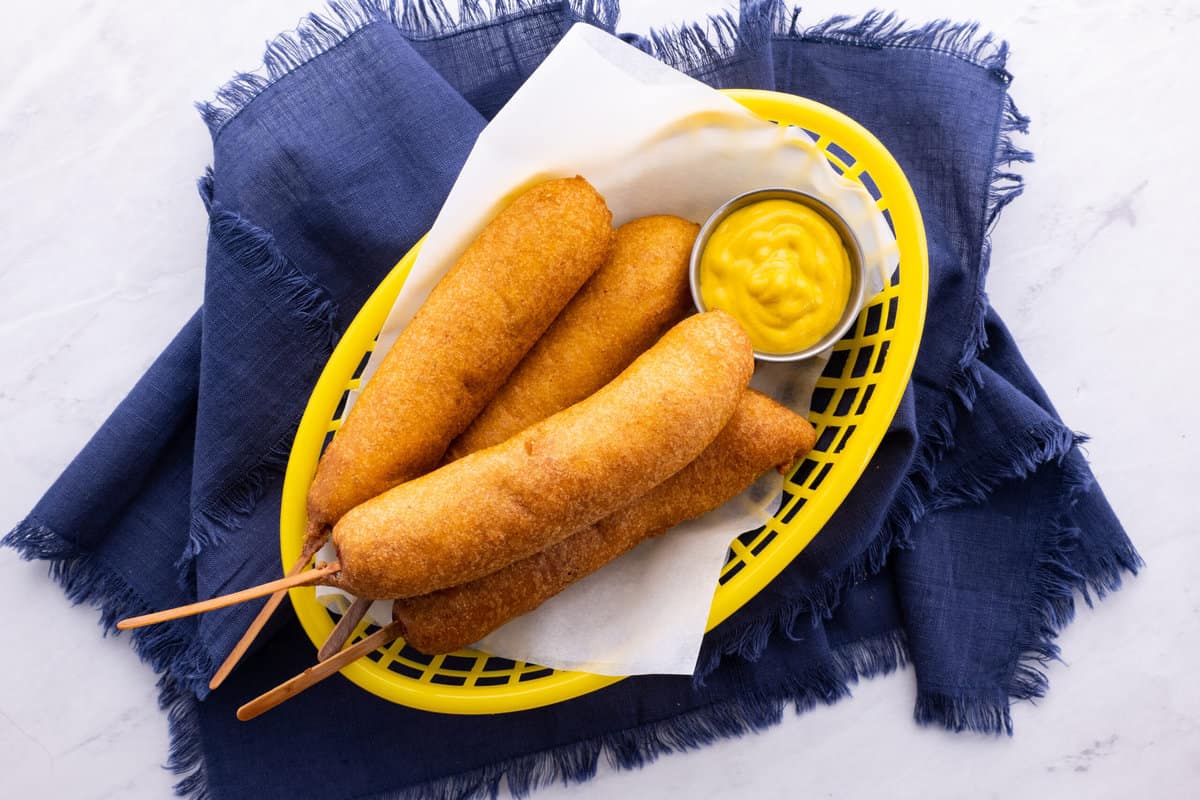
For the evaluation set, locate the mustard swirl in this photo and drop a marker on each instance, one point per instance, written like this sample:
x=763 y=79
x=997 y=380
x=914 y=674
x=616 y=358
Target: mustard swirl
x=781 y=269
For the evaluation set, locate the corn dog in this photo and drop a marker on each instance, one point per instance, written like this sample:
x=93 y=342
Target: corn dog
x=635 y=296
x=761 y=434
x=483 y=512
x=475 y=326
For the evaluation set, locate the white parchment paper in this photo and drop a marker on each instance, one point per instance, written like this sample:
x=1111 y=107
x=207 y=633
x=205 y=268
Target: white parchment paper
x=652 y=141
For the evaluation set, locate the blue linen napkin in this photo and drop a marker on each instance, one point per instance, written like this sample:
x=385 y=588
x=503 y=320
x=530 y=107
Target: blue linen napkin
x=960 y=550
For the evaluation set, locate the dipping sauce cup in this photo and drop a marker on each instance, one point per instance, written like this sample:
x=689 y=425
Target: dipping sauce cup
x=785 y=265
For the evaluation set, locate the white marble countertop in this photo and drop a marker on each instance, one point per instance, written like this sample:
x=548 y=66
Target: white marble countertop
x=102 y=255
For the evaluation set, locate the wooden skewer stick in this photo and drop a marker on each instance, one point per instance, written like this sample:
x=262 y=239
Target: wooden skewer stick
x=255 y=628
x=315 y=674
x=346 y=625
x=303 y=579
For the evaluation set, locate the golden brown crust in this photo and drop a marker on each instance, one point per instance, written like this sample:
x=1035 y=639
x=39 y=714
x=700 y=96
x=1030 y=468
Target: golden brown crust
x=456 y=352
x=483 y=512
x=640 y=291
x=761 y=434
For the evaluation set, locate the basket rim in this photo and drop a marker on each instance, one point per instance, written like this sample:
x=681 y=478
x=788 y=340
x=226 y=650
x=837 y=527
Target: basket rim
x=562 y=685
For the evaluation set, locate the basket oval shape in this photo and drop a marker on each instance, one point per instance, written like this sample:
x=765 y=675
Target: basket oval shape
x=855 y=400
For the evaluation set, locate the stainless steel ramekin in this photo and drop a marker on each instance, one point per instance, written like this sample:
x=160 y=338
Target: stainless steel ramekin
x=849 y=241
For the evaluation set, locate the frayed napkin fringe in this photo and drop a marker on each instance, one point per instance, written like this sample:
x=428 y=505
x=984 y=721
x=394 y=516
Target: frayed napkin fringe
x=186 y=757
x=167 y=648
x=255 y=250
x=316 y=34
x=878 y=29
x=699 y=47
x=635 y=747
x=1018 y=458
x=962 y=712
x=693 y=47
x=212 y=522
x=1057 y=580
x=1006 y=185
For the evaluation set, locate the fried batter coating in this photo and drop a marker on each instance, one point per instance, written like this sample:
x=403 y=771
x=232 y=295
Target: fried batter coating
x=639 y=292
x=477 y=324
x=481 y=513
x=761 y=434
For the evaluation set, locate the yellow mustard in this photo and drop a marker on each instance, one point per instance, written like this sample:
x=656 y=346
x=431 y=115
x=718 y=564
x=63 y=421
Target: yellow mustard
x=781 y=270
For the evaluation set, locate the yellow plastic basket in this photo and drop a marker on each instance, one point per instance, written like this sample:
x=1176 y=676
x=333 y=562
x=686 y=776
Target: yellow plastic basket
x=853 y=405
